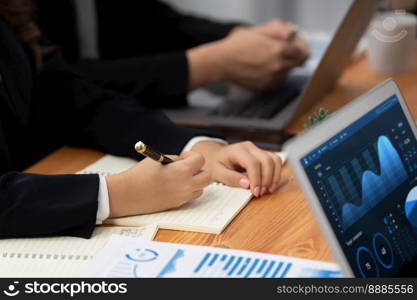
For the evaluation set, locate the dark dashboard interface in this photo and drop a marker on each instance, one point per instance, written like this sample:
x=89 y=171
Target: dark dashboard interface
x=366 y=180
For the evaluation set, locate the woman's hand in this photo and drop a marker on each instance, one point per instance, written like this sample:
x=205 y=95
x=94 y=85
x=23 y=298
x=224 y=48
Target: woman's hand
x=226 y=164
x=151 y=187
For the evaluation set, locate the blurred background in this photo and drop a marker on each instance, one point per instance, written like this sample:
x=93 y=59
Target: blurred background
x=316 y=15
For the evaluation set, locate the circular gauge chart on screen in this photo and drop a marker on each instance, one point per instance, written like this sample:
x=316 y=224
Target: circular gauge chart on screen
x=411 y=207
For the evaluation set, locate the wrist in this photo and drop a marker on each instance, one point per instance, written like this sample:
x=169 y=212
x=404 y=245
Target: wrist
x=239 y=28
x=205 y=65
x=117 y=190
x=207 y=147
x=209 y=150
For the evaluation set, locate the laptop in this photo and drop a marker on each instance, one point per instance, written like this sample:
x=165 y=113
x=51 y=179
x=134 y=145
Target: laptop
x=358 y=171
x=274 y=109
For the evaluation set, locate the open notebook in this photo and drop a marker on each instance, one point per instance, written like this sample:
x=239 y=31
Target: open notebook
x=59 y=256
x=210 y=213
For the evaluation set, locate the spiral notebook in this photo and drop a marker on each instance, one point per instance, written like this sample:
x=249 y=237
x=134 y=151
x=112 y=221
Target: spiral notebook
x=60 y=256
x=210 y=213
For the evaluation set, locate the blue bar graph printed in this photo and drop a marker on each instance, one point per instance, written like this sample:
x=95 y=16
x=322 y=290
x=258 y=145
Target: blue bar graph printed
x=223 y=265
x=375 y=187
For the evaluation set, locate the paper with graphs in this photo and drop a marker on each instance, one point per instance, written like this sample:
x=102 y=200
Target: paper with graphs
x=60 y=256
x=127 y=257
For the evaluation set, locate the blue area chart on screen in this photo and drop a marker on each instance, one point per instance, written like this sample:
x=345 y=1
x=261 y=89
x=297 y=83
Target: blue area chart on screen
x=411 y=207
x=375 y=187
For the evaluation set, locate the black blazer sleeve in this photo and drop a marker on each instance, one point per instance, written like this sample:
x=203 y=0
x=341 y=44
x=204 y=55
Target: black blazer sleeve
x=55 y=108
x=193 y=30
x=142 y=46
x=34 y=205
x=161 y=79
x=158 y=80
x=40 y=205
x=106 y=120
x=157 y=73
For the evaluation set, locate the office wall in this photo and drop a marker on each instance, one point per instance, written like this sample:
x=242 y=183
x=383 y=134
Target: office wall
x=313 y=14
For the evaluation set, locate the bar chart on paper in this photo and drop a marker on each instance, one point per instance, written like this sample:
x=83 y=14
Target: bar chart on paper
x=235 y=266
x=223 y=265
x=124 y=257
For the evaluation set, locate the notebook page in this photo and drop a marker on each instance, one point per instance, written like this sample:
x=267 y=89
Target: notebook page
x=210 y=213
x=59 y=256
x=109 y=165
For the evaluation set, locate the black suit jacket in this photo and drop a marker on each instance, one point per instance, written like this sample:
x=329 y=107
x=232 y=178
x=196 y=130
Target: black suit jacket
x=40 y=112
x=142 y=46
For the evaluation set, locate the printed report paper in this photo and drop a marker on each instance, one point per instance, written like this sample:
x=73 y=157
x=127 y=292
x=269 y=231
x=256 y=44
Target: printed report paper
x=126 y=257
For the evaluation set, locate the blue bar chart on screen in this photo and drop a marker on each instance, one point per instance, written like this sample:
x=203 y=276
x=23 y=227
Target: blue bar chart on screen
x=125 y=257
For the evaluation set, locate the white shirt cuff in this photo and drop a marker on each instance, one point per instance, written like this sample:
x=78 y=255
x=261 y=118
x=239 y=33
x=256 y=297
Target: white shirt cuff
x=103 y=211
x=198 y=139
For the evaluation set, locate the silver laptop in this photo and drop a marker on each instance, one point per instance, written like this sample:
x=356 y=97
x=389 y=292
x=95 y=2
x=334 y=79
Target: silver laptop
x=274 y=109
x=358 y=171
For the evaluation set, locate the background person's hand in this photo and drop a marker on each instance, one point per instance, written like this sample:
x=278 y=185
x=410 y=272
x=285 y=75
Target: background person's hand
x=280 y=30
x=275 y=29
x=256 y=61
x=252 y=57
x=226 y=164
x=151 y=187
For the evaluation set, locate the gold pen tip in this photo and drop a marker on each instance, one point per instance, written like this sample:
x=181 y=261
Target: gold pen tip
x=140 y=147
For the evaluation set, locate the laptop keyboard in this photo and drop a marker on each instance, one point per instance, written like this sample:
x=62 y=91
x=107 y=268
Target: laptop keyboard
x=262 y=106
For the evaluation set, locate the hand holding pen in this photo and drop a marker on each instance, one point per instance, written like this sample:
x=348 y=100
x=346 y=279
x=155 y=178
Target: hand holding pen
x=156 y=183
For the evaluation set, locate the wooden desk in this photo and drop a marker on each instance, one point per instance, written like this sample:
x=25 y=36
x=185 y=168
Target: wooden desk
x=280 y=223
x=356 y=80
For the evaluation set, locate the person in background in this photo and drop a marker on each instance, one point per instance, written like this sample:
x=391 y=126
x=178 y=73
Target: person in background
x=153 y=52
x=44 y=105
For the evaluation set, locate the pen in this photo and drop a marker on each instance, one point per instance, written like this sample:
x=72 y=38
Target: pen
x=292 y=34
x=147 y=151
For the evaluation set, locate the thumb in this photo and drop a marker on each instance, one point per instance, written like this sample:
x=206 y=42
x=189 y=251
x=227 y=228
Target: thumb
x=174 y=157
x=185 y=154
x=232 y=178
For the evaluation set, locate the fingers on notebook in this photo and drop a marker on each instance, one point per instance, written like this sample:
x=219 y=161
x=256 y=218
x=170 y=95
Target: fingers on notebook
x=270 y=165
x=231 y=177
x=277 y=172
x=244 y=158
x=267 y=170
x=263 y=168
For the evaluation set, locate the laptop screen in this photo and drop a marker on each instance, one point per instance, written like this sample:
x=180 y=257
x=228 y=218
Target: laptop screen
x=366 y=180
